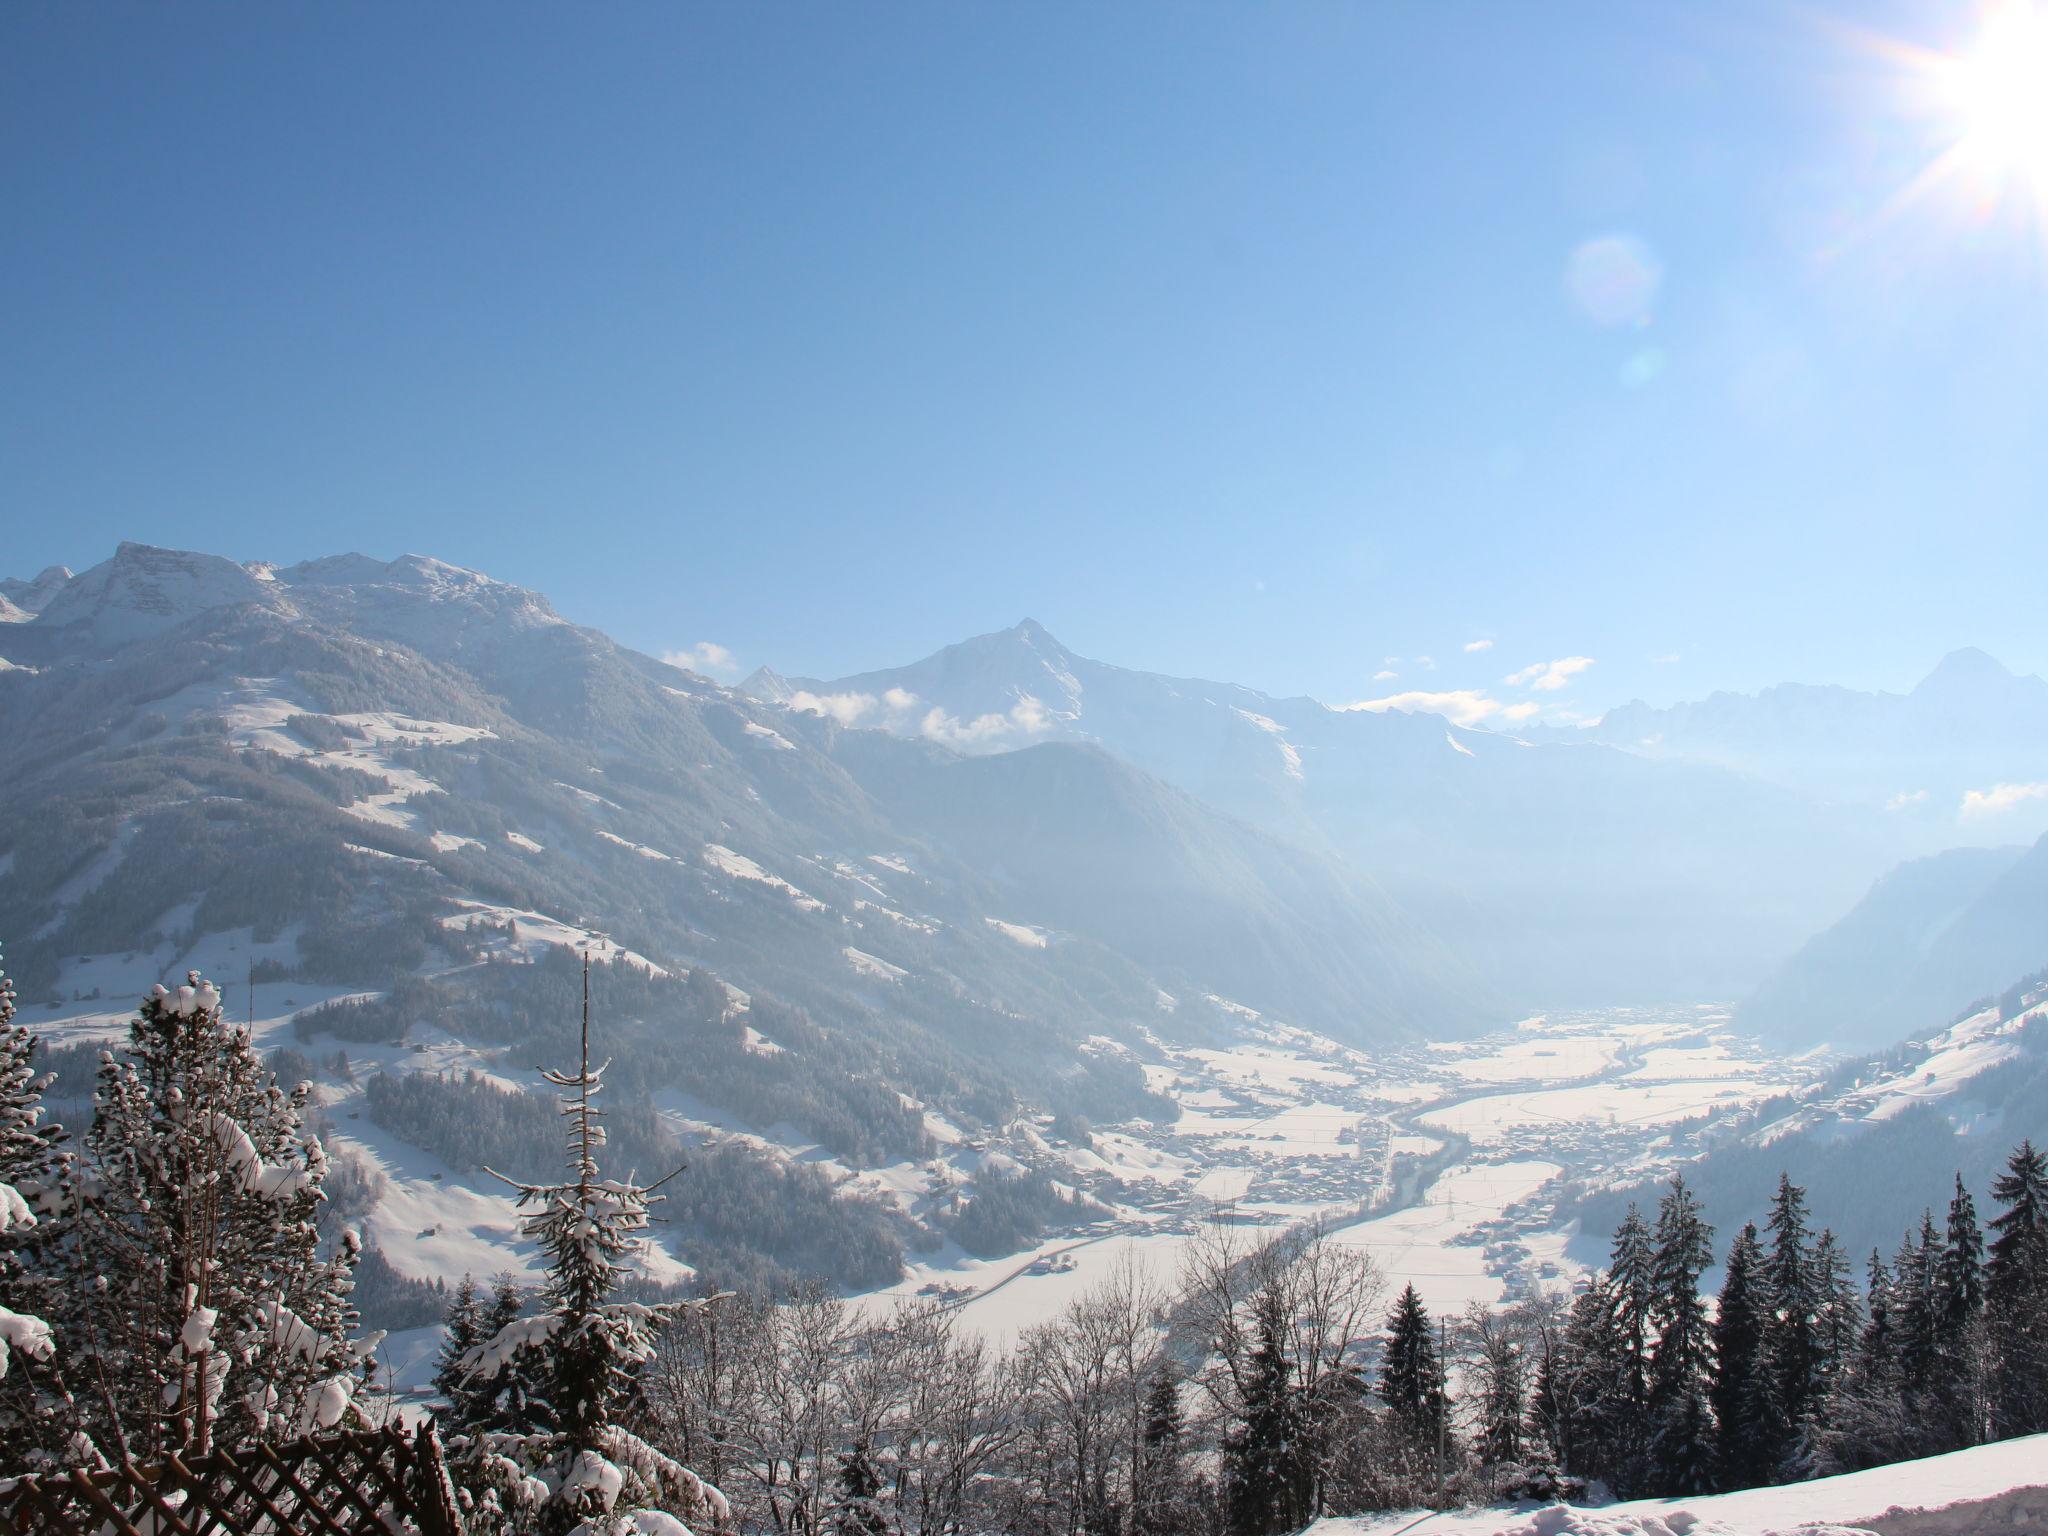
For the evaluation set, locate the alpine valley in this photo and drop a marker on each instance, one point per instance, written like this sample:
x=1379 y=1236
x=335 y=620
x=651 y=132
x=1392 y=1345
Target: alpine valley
x=1003 y=952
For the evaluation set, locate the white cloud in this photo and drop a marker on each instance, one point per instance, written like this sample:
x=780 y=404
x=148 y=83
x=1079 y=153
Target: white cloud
x=2000 y=797
x=1665 y=659
x=1548 y=676
x=851 y=708
x=1027 y=717
x=1428 y=662
x=707 y=658
x=846 y=708
x=1525 y=710
x=1474 y=646
x=1905 y=798
x=1463 y=706
x=1384 y=674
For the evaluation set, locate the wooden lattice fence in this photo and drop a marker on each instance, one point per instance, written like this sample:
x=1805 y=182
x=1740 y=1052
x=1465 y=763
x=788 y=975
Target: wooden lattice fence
x=364 y=1483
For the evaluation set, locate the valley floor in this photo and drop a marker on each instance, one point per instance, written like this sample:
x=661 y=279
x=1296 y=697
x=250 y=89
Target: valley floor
x=1454 y=1165
x=1451 y=1164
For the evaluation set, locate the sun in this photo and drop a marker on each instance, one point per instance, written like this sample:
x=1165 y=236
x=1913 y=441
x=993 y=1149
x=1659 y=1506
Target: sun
x=1997 y=93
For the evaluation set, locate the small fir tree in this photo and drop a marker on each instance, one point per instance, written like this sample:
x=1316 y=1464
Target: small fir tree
x=566 y=1464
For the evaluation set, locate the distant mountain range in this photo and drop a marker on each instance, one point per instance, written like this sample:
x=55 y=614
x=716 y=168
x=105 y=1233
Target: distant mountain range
x=1567 y=870
x=1967 y=727
x=372 y=758
x=361 y=751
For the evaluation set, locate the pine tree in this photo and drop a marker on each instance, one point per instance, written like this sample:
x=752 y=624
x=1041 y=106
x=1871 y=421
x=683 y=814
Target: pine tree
x=1265 y=1480
x=1837 y=1328
x=33 y=1407
x=1791 y=1346
x=1953 y=1389
x=566 y=1463
x=1632 y=1272
x=1159 y=1504
x=211 y=1315
x=462 y=1332
x=1745 y=1390
x=857 y=1495
x=1681 y=1445
x=1865 y=1419
x=1411 y=1382
x=2016 y=1296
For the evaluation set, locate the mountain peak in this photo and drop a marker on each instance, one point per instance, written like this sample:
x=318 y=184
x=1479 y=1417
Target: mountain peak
x=143 y=590
x=1967 y=665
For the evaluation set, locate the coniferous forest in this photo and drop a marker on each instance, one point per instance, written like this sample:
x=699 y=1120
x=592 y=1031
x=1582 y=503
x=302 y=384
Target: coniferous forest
x=167 y=1286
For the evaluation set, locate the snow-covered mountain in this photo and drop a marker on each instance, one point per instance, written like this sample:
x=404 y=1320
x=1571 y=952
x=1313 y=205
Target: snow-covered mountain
x=487 y=752
x=1573 y=871
x=1934 y=756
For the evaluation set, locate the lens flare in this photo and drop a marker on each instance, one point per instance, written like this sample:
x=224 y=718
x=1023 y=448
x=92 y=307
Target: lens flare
x=1998 y=94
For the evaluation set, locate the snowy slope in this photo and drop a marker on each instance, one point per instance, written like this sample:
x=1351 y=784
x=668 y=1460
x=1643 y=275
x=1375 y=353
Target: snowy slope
x=1992 y=1488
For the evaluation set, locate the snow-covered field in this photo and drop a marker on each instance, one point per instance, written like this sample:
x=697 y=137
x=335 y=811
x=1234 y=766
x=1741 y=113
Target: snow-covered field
x=1444 y=1163
x=1992 y=1488
x=1285 y=1126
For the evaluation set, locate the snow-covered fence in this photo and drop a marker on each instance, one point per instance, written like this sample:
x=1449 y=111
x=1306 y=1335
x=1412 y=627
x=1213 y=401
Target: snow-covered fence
x=350 y=1484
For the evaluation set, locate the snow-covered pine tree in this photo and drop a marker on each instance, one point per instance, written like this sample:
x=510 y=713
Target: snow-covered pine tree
x=462 y=1329
x=1681 y=1444
x=2016 y=1296
x=857 y=1495
x=206 y=1313
x=32 y=1407
x=1747 y=1410
x=567 y=1465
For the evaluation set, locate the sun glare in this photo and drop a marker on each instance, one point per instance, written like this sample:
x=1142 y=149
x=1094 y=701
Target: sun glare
x=1998 y=93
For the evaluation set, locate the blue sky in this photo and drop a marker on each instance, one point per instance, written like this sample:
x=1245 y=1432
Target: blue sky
x=1231 y=340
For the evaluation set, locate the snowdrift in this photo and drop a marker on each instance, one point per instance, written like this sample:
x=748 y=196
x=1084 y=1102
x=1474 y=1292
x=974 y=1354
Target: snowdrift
x=2002 y=1488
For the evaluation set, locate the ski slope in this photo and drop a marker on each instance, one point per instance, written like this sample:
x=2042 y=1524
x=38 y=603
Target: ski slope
x=1991 y=1488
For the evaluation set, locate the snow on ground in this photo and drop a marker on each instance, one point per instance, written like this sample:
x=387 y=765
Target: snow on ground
x=1419 y=1245
x=1498 y=1117
x=739 y=867
x=865 y=964
x=1957 y=1054
x=1020 y=933
x=1988 y=1488
x=1558 y=1060
x=1715 y=1060
x=640 y=848
x=533 y=933
x=520 y=840
x=770 y=738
